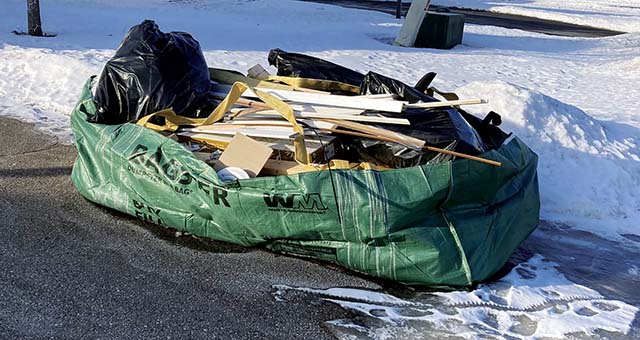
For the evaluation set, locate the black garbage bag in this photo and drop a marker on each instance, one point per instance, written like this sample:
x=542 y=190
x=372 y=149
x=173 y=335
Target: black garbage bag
x=375 y=83
x=443 y=127
x=153 y=71
x=304 y=66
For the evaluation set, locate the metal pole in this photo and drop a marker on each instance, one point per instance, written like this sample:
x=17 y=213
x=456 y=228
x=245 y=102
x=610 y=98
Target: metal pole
x=33 y=18
x=398 y=9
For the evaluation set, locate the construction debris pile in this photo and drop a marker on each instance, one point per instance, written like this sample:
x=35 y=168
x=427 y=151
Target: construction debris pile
x=416 y=189
x=312 y=115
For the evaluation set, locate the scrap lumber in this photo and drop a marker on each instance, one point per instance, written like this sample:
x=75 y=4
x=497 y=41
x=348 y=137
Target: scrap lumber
x=354 y=102
x=278 y=130
x=405 y=140
x=355 y=118
x=462 y=155
x=412 y=22
x=260 y=131
x=375 y=131
x=448 y=103
x=385 y=96
x=319 y=148
x=250 y=119
x=325 y=109
x=229 y=127
x=323 y=101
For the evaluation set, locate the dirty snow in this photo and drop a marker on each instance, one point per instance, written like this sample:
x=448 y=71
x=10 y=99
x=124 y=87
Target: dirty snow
x=534 y=300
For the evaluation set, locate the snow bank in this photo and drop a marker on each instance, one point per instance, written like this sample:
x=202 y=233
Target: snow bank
x=40 y=86
x=587 y=167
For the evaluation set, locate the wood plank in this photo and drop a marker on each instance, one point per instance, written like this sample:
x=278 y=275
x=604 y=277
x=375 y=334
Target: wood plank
x=354 y=102
x=448 y=103
x=384 y=96
x=315 y=124
x=367 y=119
x=300 y=107
x=325 y=109
x=274 y=132
x=372 y=130
x=412 y=22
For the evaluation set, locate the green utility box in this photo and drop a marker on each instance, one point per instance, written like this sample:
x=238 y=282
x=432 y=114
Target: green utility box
x=440 y=30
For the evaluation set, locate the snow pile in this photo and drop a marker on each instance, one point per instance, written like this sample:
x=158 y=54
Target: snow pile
x=620 y=15
x=40 y=86
x=533 y=300
x=586 y=166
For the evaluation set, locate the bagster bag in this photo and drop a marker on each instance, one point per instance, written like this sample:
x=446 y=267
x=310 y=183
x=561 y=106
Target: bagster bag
x=447 y=225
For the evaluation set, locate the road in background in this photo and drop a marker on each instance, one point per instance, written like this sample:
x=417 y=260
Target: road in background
x=480 y=17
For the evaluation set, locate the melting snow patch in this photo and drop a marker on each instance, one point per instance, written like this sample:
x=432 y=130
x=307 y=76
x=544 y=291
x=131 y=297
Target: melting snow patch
x=533 y=300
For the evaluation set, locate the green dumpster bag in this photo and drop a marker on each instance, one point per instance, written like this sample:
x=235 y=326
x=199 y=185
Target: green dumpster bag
x=448 y=225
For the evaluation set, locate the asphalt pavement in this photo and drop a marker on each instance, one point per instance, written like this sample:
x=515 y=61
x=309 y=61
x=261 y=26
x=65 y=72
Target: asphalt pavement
x=480 y=17
x=74 y=270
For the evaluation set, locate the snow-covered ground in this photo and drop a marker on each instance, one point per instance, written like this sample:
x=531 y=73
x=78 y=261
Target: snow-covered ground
x=573 y=100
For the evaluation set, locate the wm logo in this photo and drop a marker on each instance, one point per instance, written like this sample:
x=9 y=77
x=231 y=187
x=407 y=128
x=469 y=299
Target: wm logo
x=295 y=202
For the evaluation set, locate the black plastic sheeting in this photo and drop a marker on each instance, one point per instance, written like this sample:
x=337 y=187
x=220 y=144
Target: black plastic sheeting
x=375 y=83
x=304 y=66
x=153 y=71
